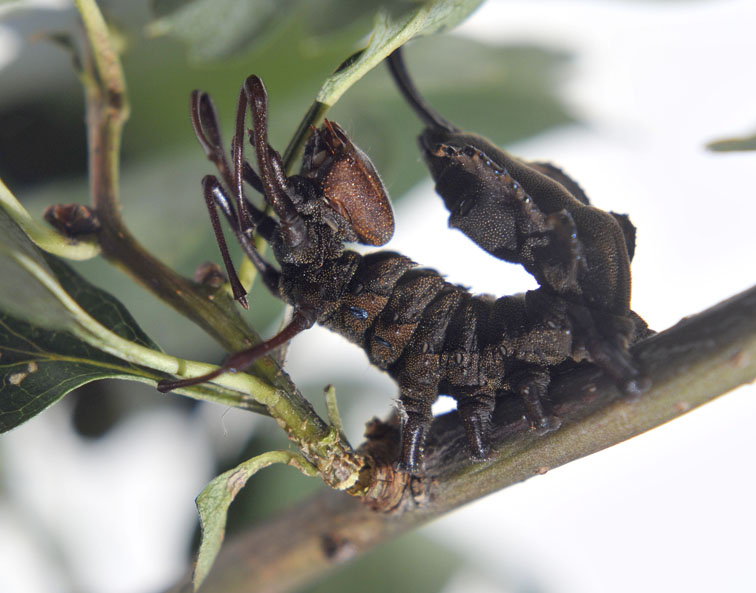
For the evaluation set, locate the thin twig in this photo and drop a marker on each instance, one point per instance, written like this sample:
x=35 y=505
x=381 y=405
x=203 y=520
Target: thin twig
x=107 y=110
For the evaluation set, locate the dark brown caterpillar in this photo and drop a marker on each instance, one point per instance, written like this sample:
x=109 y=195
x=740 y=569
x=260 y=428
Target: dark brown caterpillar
x=536 y=215
x=431 y=336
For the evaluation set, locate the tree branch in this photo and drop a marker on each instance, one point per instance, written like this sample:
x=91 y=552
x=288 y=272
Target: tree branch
x=693 y=362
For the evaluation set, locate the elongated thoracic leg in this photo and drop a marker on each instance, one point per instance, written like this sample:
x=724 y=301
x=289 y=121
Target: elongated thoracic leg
x=215 y=196
x=239 y=361
x=211 y=187
x=271 y=170
x=207 y=130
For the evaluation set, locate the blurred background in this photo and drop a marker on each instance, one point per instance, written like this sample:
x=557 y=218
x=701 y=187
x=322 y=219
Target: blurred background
x=97 y=493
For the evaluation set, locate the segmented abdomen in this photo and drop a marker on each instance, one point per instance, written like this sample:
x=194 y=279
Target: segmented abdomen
x=427 y=332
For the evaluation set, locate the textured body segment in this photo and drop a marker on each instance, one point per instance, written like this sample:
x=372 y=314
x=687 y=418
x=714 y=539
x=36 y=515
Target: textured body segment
x=436 y=338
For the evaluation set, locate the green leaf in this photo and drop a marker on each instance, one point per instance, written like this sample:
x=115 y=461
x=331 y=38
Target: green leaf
x=393 y=29
x=58 y=331
x=214 y=500
x=39 y=366
x=216 y=29
x=41 y=357
x=101 y=306
x=733 y=144
x=42 y=290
